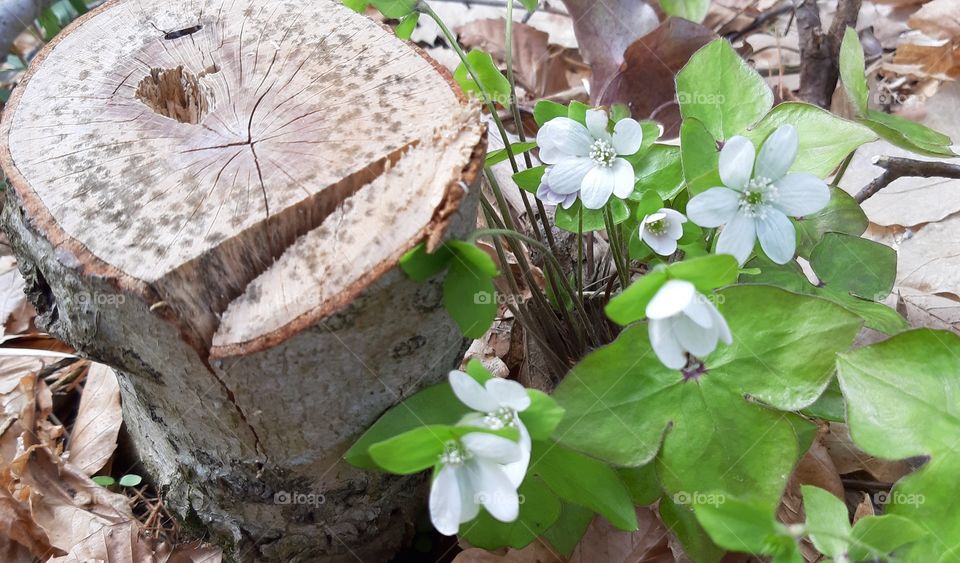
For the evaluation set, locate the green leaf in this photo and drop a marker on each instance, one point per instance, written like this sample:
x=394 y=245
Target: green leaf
x=825 y=139
x=631 y=304
x=902 y=402
x=684 y=525
x=693 y=10
x=647 y=203
x=358 y=6
x=707 y=273
x=545 y=110
x=542 y=416
x=500 y=155
x=433 y=405
x=472 y=256
x=104 y=480
x=420 y=448
x=829 y=406
x=722 y=91
x=641 y=483
x=529 y=179
x=80 y=6
x=585 y=481
x=130 y=480
x=530 y=5
x=538 y=512
x=660 y=169
x=395 y=9
x=420 y=266
x=852 y=69
x=738 y=525
x=407 y=25
x=909 y=135
x=492 y=81
x=569 y=220
x=50 y=23
x=578 y=111
x=700 y=157
x=789 y=276
x=841 y=215
x=828 y=523
x=566 y=532
x=622 y=111
x=478 y=372
x=861 y=267
x=470 y=298
x=620 y=401
x=876 y=536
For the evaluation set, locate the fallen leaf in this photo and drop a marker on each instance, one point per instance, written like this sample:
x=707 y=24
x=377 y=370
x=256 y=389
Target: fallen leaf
x=645 y=81
x=939 y=18
x=649 y=544
x=848 y=458
x=536 y=552
x=94 y=435
x=13 y=301
x=605 y=29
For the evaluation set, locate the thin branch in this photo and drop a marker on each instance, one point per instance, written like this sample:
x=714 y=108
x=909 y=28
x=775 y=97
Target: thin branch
x=820 y=69
x=895 y=168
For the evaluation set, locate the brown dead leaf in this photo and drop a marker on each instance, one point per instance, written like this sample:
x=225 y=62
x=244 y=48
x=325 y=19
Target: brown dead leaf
x=14 y=308
x=939 y=18
x=63 y=501
x=604 y=31
x=536 y=552
x=645 y=80
x=649 y=544
x=848 y=458
x=20 y=531
x=94 y=435
x=864 y=508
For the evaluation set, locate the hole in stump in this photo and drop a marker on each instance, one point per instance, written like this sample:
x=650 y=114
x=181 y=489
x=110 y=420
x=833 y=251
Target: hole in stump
x=177 y=93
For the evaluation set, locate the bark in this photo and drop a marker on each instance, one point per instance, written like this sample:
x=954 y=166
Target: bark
x=820 y=50
x=213 y=201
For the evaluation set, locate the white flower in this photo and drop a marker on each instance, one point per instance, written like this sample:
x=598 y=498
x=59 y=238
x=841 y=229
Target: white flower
x=587 y=159
x=662 y=230
x=472 y=474
x=755 y=203
x=499 y=401
x=550 y=197
x=684 y=321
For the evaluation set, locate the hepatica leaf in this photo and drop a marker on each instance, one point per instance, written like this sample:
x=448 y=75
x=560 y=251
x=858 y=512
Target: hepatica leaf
x=903 y=400
x=624 y=407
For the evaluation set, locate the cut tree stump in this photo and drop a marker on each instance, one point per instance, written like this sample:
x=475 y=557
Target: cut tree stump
x=211 y=196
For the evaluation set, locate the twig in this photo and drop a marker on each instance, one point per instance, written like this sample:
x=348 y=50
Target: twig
x=503 y=4
x=757 y=23
x=895 y=168
x=820 y=69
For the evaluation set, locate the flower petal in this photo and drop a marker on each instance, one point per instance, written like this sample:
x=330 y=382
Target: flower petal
x=508 y=393
x=548 y=196
x=570 y=200
x=567 y=176
x=778 y=153
x=627 y=136
x=517 y=470
x=445 y=501
x=800 y=194
x=494 y=490
x=664 y=244
x=471 y=393
x=738 y=237
x=562 y=138
x=713 y=207
x=698 y=311
x=665 y=345
x=623 y=178
x=492 y=447
x=597 y=187
x=694 y=338
x=675 y=221
x=721 y=323
x=672 y=298
x=736 y=162
x=777 y=236
x=597 y=121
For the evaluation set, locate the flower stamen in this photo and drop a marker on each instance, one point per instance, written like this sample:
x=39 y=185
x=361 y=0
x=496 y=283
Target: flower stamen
x=603 y=153
x=454 y=454
x=501 y=418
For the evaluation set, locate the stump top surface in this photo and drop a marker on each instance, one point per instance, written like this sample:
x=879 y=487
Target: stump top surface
x=153 y=132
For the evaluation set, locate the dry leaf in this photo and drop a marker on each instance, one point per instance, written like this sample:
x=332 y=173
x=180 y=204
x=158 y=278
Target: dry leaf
x=864 y=508
x=120 y=543
x=939 y=18
x=848 y=458
x=649 y=544
x=13 y=301
x=536 y=552
x=94 y=435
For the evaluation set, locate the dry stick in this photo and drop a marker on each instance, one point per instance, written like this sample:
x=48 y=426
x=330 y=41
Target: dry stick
x=819 y=51
x=895 y=167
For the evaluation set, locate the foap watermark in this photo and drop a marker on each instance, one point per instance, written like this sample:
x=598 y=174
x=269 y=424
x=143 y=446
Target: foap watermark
x=896 y=497
x=487 y=297
x=700 y=99
x=496 y=498
x=699 y=498
x=294 y=497
x=100 y=299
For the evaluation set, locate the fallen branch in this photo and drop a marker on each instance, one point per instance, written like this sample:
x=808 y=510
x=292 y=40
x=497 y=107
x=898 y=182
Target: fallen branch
x=895 y=168
x=820 y=51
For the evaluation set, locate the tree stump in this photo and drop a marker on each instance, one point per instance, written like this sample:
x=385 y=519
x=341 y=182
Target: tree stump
x=211 y=196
